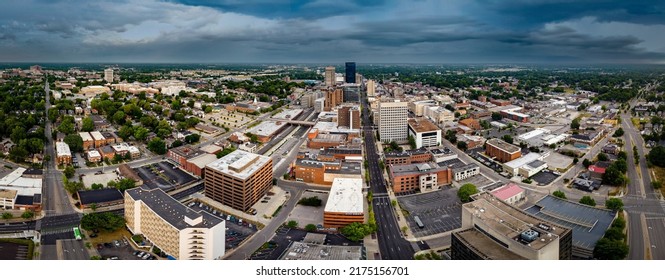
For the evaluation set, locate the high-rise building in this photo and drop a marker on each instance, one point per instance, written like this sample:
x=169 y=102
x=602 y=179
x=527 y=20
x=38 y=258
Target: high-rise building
x=175 y=229
x=424 y=132
x=371 y=88
x=329 y=77
x=350 y=76
x=348 y=116
x=393 y=121
x=352 y=93
x=333 y=98
x=238 y=179
x=108 y=75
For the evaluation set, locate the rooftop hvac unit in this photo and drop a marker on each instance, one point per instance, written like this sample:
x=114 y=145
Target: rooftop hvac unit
x=529 y=235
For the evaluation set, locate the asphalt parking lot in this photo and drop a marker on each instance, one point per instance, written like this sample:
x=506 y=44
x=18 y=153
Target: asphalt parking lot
x=236 y=231
x=544 y=177
x=440 y=211
x=163 y=175
x=12 y=251
x=122 y=252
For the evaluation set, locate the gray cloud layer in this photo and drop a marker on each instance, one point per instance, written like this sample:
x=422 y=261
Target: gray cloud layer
x=556 y=31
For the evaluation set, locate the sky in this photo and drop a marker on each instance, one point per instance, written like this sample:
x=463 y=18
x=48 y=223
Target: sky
x=333 y=31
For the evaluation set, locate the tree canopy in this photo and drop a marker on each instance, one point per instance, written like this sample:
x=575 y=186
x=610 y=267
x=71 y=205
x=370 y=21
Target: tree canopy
x=466 y=191
x=106 y=221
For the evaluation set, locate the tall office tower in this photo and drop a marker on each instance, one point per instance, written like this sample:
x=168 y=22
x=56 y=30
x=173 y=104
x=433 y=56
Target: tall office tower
x=350 y=76
x=333 y=98
x=352 y=93
x=330 y=76
x=108 y=75
x=371 y=88
x=348 y=116
x=393 y=121
x=238 y=179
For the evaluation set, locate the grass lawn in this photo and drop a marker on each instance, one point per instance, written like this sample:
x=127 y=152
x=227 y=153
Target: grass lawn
x=659 y=173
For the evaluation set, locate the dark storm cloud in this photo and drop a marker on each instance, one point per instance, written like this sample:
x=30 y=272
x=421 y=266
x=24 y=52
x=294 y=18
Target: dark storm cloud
x=331 y=30
x=289 y=8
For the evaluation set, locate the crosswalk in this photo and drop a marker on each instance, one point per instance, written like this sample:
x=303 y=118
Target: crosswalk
x=57 y=230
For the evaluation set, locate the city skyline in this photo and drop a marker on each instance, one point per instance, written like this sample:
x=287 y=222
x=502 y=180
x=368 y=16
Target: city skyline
x=608 y=32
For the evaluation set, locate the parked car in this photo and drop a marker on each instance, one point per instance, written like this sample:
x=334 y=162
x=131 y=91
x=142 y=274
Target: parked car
x=116 y=243
x=140 y=255
x=146 y=256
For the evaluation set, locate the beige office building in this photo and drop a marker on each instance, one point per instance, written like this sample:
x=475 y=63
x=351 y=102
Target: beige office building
x=330 y=76
x=393 y=121
x=174 y=228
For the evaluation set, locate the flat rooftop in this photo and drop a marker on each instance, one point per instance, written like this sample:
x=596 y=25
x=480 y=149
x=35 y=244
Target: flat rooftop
x=308 y=251
x=523 y=160
x=511 y=222
x=465 y=167
x=484 y=246
x=414 y=168
x=330 y=138
x=239 y=164
x=97 y=135
x=588 y=223
x=85 y=136
x=8 y=194
x=503 y=145
x=288 y=114
x=171 y=210
x=346 y=196
x=62 y=149
x=267 y=128
x=406 y=153
x=94 y=153
x=187 y=151
x=346 y=168
x=331 y=127
x=421 y=125
x=202 y=160
x=100 y=196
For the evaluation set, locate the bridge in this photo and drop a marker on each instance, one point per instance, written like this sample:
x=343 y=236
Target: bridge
x=296 y=122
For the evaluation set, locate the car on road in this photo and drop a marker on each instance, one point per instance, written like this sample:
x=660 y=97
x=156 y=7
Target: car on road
x=116 y=243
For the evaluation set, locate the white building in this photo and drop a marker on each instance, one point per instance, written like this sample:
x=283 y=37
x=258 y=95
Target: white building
x=466 y=171
x=424 y=132
x=108 y=75
x=345 y=203
x=527 y=165
x=7 y=198
x=393 y=121
x=438 y=114
x=177 y=230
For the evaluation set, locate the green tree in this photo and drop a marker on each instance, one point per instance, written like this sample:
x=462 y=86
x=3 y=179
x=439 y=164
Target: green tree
x=67 y=125
x=310 y=201
x=106 y=221
x=618 y=133
x=125 y=132
x=310 y=227
x=587 y=200
x=613 y=176
x=462 y=145
x=157 y=146
x=614 y=203
x=7 y=215
x=586 y=163
x=466 y=191
x=93 y=207
x=657 y=156
x=192 y=138
x=119 y=117
x=125 y=184
x=75 y=142
x=608 y=249
x=96 y=186
x=412 y=142
x=69 y=171
x=575 y=124
x=656 y=184
x=614 y=233
x=508 y=138
x=141 y=133
x=292 y=224
x=602 y=157
x=496 y=116
x=88 y=124
x=27 y=214
x=356 y=231
x=559 y=194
